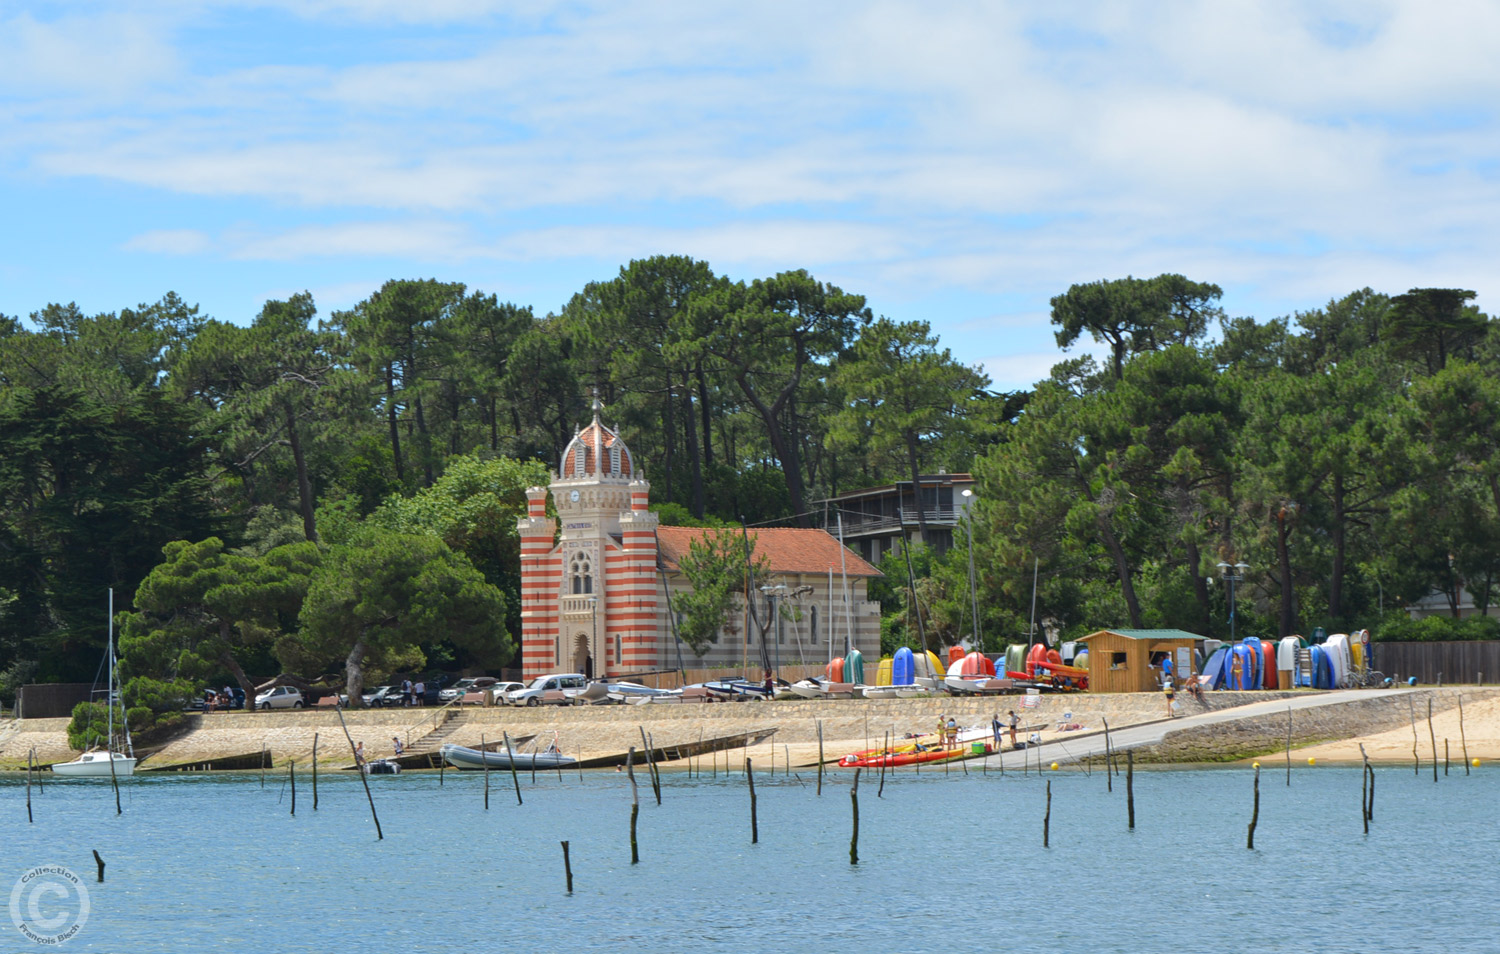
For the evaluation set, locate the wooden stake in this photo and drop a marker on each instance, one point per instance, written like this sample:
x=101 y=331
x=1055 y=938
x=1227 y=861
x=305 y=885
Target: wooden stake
x=820 y=758
x=315 y=771
x=100 y=863
x=651 y=764
x=1109 y=780
x=442 y=766
x=1047 y=818
x=1433 y=736
x=41 y=783
x=1288 y=746
x=485 y=763
x=29 y=757
x=1445 y=756
x=750 y=777
x=635 y=805
x=516 y=779
x=885 y=756
x=113 y=780
x=699 y=772
x=262 y=766
x=567 y=867
x=1416 y=760
x=1130 y=786
x=1370 y=809
x=363 y=776
x=854 y=804
x=1364 y=790
x=1254 y=814
x=291 y=776
x=1463 y=739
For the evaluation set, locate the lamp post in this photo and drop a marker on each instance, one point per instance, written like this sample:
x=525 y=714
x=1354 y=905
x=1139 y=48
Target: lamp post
x=1232 y=573
x=968 y=492
x=594 y=642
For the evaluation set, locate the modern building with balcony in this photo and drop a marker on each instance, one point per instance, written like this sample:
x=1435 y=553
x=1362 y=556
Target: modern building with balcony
x=876 y=519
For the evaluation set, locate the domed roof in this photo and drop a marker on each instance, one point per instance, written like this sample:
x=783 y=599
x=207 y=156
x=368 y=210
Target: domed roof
x=597 y=450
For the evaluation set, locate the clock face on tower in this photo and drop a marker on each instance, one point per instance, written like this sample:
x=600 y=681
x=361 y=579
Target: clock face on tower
x=573 y=496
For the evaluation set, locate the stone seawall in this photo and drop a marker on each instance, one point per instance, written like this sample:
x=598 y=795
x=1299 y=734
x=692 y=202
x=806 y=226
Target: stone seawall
x=599 y=730
x=1267 y=734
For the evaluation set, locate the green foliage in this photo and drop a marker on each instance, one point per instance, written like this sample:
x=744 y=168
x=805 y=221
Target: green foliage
x=374 y=601
x=1399 y=628
x=716 y=565
x=90 y=725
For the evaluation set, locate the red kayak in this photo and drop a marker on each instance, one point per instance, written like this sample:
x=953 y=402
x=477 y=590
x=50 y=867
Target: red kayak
x=862 y=760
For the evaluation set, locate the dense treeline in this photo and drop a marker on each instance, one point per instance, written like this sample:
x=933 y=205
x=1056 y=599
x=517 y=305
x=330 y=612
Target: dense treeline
x=256 y=492
x=421 y=412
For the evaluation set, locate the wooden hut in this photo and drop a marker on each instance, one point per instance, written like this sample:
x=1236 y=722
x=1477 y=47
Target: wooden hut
x=1120 y=659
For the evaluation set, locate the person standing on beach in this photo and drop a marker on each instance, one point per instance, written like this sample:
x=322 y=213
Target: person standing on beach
x=359 y=753
x=419 y=693
x=995 y=730
x=406 y=692
x=1015 y=723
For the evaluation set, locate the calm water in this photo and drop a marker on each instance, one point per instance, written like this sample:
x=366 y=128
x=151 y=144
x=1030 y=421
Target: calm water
x=216 y=863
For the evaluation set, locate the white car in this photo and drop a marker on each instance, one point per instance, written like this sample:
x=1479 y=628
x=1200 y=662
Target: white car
x=569 y=684
x=282 y=697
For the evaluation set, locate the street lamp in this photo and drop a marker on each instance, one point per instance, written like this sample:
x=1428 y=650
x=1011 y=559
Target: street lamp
x=772 y=591
x=973 y=593
x=594 y=642
x=1232 y=573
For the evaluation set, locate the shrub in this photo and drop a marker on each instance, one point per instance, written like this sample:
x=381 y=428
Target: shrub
x=1401 y=629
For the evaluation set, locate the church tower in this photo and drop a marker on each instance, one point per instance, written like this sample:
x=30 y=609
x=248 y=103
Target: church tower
x=588 y=602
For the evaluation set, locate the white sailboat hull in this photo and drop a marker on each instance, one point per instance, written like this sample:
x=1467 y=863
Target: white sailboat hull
x=96 y=765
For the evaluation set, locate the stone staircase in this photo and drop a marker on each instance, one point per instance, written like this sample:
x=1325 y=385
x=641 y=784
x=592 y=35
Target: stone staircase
x=434 y=740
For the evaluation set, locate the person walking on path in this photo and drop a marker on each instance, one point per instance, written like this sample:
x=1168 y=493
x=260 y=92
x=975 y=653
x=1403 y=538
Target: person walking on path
x=1015 y=723
x=1171 y=694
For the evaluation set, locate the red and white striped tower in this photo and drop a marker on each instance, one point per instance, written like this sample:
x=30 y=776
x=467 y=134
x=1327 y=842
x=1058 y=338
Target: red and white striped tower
x=589 y=600
x=541 y=574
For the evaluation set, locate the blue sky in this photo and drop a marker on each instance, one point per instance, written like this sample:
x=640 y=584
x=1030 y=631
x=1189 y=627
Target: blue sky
x=958 y=163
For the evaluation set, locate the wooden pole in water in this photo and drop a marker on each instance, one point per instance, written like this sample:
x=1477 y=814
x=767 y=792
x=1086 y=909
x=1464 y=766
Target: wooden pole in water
x=315 y=771
x=291 y=776
x=29 y=757
x=699 y=771
x=100 y=863
x=1445 y=756
x=1461 y=737
x=651 y=764
x=1289 y=746
x=442 y=766
x=1254 y=813
x=113 y=780
x=820 y=758
x=1109 y=780
x=635 y=805
x=885 y=754
x=750 y=777
x=516 y=779
x=1433 y=736
x=1416 y=760
x=567 y=867
x=484 y=762
x=262 y=766
x=854 y=804
x=1364 y=789
x=41 y=784
x=1130 y=786
x=1047 y=818
x=363 y=776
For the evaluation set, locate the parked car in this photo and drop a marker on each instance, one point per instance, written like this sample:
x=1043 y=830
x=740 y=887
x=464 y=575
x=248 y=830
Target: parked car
x=236 y=699
x=466 y=685
x=569 y=684
x=502 y=691
x=281 y=697
x=384 y=696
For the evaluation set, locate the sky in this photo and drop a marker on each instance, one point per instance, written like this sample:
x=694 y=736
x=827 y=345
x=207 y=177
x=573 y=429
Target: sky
x=957 y=163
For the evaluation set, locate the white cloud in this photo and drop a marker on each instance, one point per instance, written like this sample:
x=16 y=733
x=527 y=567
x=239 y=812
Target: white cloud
x=170 y=242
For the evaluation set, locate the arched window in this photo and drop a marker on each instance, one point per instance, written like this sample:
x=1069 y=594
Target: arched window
x=581 y=571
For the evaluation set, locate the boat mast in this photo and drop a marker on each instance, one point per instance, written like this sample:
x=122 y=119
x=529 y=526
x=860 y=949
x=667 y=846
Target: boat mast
x=844 y=573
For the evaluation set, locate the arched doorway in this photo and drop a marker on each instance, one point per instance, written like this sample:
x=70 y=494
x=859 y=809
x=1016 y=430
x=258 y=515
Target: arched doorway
x=582 y=661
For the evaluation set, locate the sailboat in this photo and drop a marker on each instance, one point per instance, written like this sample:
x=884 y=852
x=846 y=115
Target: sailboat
x=108 y=762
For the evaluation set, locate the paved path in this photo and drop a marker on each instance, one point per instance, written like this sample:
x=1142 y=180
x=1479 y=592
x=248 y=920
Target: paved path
x=1084 y=745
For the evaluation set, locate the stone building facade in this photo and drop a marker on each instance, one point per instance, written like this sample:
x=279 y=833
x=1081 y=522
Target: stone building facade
x=597 y=580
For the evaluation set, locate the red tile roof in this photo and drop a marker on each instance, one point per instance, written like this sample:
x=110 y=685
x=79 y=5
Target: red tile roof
x=786 y=550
